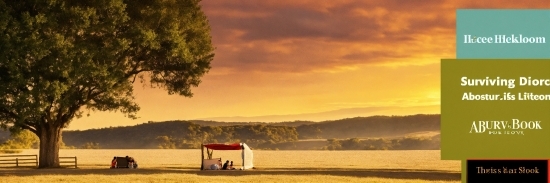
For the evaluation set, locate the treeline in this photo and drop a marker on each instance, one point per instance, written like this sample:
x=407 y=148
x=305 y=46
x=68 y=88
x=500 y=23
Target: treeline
x=24 y=139
x=253 y=135
x=217 y=123
x=368 y=127
x=376 y=132
x=404 y=143
x=178 y=134
x=421 y=142
x=21 y=140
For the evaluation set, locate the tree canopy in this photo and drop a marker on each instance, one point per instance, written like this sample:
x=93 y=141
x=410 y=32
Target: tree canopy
x=60 y=58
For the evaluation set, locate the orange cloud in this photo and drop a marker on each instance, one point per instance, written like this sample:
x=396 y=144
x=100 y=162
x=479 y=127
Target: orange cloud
x=274 y=35
x=277 y=57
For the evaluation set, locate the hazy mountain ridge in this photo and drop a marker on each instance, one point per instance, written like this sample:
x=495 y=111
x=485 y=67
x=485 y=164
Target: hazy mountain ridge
x=219 y=123
x=332 y=114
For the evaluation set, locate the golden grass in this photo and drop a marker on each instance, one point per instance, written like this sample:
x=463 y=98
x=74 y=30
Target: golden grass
x=196 y=178
x=272 y=166
x=174 y=175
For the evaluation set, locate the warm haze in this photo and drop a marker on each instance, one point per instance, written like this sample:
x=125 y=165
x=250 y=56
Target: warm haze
x=314 y=60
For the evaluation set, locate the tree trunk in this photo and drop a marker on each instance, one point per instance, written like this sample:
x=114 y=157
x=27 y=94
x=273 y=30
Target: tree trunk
x=49 y=146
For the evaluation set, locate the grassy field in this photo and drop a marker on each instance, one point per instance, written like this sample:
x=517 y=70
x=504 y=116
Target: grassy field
x=272 y=166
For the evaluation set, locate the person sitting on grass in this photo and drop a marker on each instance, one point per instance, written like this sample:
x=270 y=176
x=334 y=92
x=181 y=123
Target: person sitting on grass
x=113 y=163
x=127 y=161
x=131 y=162
x=225 y=165
x=231 y=166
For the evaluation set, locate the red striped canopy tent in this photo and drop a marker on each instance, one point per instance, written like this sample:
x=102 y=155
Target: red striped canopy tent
x=247 y=155
x=235 y=146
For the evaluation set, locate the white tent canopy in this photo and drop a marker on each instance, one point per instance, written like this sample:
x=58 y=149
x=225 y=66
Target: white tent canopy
x=246 y=154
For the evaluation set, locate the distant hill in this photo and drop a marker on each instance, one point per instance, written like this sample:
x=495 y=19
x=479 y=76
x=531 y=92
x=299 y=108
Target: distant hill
x=374 y=126
x=189 y=134
x=333 y=114
x=216 y=123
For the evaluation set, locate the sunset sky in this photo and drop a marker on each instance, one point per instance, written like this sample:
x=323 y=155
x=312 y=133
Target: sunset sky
x=314 y=60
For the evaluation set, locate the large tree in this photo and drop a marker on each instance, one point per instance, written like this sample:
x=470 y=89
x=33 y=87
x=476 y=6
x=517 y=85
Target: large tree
x=62 y=58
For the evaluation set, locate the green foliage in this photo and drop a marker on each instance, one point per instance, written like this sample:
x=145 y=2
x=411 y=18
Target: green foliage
x=310 y=132
x=90 y=145
x=404 y=143
x=166 y=142
x=21 y=140
x=333 y=144
x=177 y=134
x=92 y=57
x=60 y=57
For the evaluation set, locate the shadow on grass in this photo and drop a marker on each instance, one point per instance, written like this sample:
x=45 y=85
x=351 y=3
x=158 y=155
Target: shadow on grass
x=360 y=173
